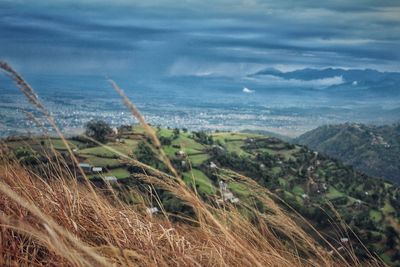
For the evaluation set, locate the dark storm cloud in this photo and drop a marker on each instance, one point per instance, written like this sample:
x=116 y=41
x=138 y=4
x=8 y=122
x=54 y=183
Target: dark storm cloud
x=164 y=37
x=68 y=31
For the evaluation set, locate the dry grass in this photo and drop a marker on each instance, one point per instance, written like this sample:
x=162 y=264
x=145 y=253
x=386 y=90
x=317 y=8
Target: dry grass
x=53 y=220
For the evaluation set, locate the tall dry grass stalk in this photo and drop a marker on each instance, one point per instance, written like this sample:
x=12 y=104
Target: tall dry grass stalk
x=53 y=220
x=150 y=131
x=31 y=95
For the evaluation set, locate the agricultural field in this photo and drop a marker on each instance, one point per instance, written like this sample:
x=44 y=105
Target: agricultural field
x=202 y=182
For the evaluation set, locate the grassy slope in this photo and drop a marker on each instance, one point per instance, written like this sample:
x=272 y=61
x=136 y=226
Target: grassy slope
x=197 y=177
x=232 y=142
x=373 y=150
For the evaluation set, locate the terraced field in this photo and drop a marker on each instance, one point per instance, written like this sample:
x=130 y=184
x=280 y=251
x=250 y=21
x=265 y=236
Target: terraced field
x=305 y=180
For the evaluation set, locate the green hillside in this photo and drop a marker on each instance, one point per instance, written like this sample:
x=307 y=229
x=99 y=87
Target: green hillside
x=373 y=150
x=324 y=191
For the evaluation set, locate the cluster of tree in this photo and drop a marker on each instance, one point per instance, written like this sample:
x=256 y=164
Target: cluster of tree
x=27 y=156
x=180 y=165
x=98 y=130
x=167 y=141
x=245 y=165
x=145 y=154
x=272 y=143
x=267 y=159
x=203 y=138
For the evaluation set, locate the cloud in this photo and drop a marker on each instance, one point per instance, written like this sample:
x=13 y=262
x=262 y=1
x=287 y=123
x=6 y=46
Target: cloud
x=247 y=90
x=235 y=37
x=187 y=67
x=317 y=83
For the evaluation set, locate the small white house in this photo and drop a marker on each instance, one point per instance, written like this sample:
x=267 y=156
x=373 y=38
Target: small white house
x=180 y=154
x=97 y=169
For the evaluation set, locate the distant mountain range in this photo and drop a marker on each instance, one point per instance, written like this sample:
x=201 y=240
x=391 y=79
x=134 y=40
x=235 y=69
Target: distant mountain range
x=379 y=82
x=373 y=150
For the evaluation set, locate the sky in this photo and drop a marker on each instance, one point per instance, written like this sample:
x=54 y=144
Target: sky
x=231 y=38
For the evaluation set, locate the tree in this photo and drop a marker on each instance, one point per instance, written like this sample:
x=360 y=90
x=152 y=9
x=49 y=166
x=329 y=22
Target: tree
x=203 y=138
x=165 y=141
x=27 y=156
x=98 y=130
x=176 y=132
x=144 y=153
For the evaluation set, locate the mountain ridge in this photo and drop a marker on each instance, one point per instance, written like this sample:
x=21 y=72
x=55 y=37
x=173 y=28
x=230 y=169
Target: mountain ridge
x=314 y=73
x=370 y=149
